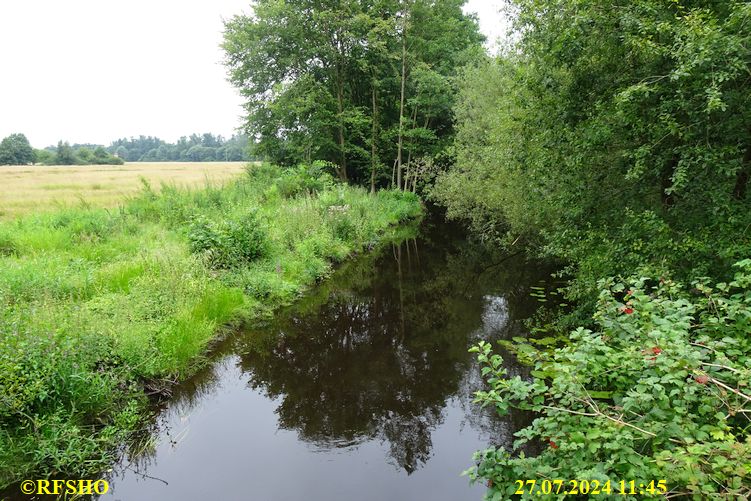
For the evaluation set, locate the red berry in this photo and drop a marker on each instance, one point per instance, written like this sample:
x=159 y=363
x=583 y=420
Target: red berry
x=553 y=445
x=627 y=310
x=656 y=350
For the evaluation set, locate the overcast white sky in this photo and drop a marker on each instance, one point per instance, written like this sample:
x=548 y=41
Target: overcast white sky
x=91 y=71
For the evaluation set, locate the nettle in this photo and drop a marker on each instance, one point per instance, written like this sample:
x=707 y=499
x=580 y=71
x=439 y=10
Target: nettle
x=659 y=391
x=229 y=243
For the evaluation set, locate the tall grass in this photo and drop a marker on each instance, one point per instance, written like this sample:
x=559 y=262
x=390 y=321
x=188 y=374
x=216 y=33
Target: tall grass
x=97 y=304
x=28 y=190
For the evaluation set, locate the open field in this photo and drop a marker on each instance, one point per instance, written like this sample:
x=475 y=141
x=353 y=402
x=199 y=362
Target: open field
x=40 y=188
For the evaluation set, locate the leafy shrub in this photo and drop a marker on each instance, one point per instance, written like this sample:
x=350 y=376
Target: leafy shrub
x=659 y=391
x=304 y=179
x=229 y=244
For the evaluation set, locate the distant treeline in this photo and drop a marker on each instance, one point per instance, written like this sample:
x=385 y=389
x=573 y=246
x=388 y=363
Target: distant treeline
x=78 y=154
x=16 y=150
x=194 y=148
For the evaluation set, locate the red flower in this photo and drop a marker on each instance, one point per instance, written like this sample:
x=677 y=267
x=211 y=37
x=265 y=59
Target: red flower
x=703 y=379
x=656 y=350
x=627 y=310
x=553 y=445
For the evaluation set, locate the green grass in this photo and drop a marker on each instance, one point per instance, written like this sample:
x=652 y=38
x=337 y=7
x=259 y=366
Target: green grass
x=96 y=304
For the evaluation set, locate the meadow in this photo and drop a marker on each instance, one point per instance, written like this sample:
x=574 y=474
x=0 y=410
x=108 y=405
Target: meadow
x=101 y=307
x=28 y=189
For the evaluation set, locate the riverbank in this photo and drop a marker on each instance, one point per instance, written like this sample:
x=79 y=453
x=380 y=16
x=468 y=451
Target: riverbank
x=101 y=307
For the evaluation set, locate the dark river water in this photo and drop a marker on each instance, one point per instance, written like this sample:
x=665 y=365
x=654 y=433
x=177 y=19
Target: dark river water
x=360 y=391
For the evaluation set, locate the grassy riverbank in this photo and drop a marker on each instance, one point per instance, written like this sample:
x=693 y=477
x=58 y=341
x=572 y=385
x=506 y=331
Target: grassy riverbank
x=99 y=307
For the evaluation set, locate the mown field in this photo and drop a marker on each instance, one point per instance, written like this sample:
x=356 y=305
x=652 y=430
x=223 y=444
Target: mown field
x=99 y=307
x=28 y=189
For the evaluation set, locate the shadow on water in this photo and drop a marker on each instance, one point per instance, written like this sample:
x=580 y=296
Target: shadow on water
x=361 y=390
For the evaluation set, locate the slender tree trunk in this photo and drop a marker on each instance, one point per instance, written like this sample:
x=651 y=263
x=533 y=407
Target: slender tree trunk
x=401 y=105
x=409 y=153
x=340 y=106
x=373 y=141
x=407 y=173
x=423 y=168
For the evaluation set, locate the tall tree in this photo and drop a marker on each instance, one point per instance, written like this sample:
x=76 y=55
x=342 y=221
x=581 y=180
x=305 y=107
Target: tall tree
x=330 y=79
x=610 y=123
x=16 y=150
x=65 y=154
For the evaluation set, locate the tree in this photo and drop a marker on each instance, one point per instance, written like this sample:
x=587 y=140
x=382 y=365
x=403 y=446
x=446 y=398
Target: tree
x=16 y=150
x=606 y=125
x=200 y=153
x=44 y=157
x=65 y=154
x=332 y=79
x=85 y=156
x=122 y=152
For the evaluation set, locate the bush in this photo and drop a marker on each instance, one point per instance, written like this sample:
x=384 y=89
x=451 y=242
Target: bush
x=229 y=244
x=660 y=391
x=304 y=179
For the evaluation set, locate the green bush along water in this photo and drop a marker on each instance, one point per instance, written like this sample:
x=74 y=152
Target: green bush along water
x=98 y=307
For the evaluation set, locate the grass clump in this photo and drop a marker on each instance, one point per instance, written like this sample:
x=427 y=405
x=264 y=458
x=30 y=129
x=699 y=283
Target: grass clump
x=96 y=304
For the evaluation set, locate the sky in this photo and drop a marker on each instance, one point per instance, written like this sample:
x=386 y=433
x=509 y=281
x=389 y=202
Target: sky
x=92 y=71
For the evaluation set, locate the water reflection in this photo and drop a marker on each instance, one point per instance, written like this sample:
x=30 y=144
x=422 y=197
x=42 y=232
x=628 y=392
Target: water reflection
x=372 y=363
x=377 y=354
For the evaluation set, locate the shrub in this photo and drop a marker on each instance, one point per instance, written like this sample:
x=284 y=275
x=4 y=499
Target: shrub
x=304 y=179
x=660 y=391
x=229 y=244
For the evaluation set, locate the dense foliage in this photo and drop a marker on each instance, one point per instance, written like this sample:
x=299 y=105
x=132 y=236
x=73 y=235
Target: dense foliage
x=65 y=154
x=194 y=148
x=16 y=150
x=97 y=304
x=658 y=391
x=365 y=85
x=614 y=136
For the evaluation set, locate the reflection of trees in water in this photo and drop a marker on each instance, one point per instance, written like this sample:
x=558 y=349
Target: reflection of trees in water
x=379 y=356
x=376 y=351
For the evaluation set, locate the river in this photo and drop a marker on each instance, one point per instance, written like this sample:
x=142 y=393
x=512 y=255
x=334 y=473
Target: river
x=362 y=390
